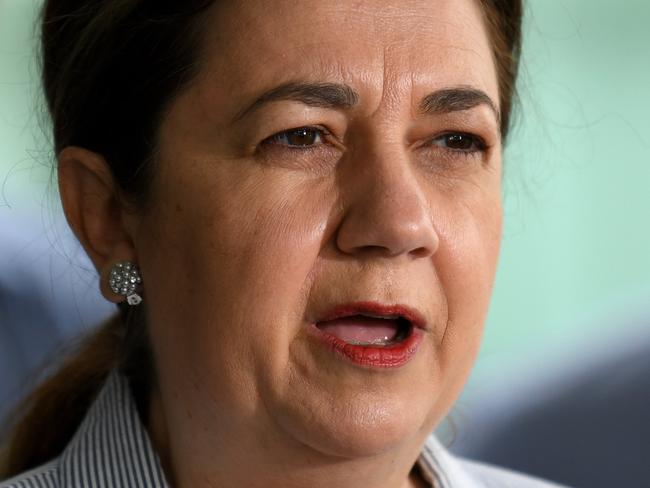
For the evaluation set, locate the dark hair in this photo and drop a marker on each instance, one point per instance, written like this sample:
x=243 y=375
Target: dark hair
x=110 y=69
x=503 y=19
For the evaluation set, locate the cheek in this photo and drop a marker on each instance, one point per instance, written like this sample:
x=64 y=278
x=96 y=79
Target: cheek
x=233 y=255
x=466 y=263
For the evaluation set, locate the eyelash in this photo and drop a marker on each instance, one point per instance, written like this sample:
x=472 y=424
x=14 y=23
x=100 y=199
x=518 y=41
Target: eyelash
x=320 y=132
x=478 y=145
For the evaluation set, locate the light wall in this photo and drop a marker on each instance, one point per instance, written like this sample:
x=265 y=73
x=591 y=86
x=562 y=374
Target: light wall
x=575 y=265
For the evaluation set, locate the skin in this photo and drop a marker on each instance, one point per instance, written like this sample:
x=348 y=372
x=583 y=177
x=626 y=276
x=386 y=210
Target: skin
x=246 y=241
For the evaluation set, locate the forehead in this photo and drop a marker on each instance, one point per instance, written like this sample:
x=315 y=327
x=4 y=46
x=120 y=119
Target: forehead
x=381 y=48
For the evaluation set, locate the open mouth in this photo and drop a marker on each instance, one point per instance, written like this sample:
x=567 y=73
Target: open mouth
x=371 y=334
x=368 y=330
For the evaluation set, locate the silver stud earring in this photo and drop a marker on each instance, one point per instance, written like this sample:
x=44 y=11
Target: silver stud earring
x=124 y=279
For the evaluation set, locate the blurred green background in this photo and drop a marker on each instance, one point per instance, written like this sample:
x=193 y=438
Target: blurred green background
x=575 y=263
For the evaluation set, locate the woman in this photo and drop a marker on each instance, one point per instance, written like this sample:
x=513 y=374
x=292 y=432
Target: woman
x=297 y=208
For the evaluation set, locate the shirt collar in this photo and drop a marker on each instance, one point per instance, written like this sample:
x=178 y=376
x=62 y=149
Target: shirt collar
x=112 y=449
x=440 y=468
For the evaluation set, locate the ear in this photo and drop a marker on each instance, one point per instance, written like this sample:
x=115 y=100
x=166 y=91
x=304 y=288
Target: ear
x=93 y=207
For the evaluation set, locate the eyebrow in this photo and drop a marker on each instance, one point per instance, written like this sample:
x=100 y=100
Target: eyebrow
x=325 y=95
x=457 y=99
x=341 y=96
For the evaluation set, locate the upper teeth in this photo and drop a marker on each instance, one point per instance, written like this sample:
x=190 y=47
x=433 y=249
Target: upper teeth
x=388 y=317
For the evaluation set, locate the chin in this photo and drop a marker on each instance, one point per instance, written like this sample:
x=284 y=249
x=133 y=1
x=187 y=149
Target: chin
x=364 y=425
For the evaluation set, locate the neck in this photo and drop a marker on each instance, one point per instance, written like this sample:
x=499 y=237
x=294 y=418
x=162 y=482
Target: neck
x=205 y=460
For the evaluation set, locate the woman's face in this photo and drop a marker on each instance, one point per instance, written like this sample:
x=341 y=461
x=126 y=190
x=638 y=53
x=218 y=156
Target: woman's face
x=328 y=154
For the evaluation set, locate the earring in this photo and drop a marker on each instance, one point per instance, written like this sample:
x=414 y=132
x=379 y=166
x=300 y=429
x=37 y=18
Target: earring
x=123 y=279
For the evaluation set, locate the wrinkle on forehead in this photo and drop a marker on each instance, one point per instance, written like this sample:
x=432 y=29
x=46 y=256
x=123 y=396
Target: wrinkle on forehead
x=382 y=48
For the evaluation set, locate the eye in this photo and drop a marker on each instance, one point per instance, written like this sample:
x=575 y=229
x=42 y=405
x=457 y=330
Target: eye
x=306 y=148
x=460 y=142
x=299 y=137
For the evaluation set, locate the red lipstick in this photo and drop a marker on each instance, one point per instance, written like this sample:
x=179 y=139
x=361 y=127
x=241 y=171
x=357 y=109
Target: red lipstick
x=390 y=355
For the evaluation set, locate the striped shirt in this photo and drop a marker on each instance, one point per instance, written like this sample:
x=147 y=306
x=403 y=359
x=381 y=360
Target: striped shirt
x=111 y=448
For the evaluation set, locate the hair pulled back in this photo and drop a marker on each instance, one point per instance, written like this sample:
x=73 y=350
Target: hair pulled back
x=110 y=69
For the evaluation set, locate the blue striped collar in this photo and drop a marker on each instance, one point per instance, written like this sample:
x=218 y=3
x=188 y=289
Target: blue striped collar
x=112 y=449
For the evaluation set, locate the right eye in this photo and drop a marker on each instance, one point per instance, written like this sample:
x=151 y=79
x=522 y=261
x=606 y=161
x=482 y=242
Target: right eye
x=301 y=137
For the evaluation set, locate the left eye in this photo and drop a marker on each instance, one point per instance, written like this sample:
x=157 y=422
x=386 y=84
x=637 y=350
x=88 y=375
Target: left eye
x=300 y=137
x=460 y=142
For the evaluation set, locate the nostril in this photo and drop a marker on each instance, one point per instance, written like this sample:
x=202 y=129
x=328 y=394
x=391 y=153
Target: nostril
x=421 y=252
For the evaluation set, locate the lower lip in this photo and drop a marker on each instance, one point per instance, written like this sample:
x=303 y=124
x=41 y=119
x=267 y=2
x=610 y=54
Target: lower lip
x=391 y=356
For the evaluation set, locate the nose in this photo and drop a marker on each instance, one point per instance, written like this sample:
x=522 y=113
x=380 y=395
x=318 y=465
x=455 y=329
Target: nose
x=386 y=211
